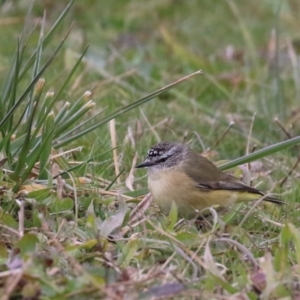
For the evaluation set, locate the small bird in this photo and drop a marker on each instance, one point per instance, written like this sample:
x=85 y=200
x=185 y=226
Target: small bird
x=177 y=173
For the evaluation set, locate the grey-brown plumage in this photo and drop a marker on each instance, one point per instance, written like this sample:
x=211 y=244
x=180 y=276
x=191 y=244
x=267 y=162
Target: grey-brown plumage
x=177 y=173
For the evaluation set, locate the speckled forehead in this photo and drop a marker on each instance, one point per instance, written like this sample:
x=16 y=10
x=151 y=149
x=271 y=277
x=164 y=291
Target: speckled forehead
x=154 y=152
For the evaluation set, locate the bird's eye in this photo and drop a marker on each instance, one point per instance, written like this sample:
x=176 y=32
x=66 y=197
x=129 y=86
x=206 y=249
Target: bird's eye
x=163 y=159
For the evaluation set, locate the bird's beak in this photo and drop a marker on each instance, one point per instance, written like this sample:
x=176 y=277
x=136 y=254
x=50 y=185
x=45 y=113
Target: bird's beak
x=145 y=164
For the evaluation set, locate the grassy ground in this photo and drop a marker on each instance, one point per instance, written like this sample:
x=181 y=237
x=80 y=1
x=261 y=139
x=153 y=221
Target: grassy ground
x=247 y=99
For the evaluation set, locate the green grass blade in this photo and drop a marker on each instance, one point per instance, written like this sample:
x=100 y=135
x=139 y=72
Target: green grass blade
x=62 y=113
x=32 y=83
x=22 y=158
x=71 y=73
x=47 y=38
x=31 y=160
x=17 y=58
x=36 y=67
x=81 y=126
x=10 y=90
x=17 y=143
x=47 y=137
x=45 y=108
x=72 y=119
x=261 y=153
x=13 y=94
x=25 y=147
x=125 y=109
x=81 y=165
x=78 y=105
x=51 y=99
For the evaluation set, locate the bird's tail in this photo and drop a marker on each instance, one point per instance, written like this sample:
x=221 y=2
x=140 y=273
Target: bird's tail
x=273 y=200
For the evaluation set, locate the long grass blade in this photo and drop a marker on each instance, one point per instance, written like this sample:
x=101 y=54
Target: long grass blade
x=36 y=67
x=33 y=82
x=46 y=143
x=25 y=147
x=81 y=126
x=124 y=109
x=6 y=90
x=50 y=101
x=71 y=73
x=261 y=153
x=47 y=38
x=72 y=119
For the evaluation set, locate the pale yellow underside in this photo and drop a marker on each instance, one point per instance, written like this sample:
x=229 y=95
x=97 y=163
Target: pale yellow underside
x=172 y=185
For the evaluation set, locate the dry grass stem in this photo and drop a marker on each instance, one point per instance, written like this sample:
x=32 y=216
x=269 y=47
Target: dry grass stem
x=130 y=178
x=113 y=139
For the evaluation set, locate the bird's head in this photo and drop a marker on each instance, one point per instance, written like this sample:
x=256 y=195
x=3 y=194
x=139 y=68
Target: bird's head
x=164 y=155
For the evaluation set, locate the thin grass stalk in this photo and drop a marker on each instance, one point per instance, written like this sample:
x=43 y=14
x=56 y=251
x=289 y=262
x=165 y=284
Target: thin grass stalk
x=49 y=102
x=46 y=143
x=62 y=113
x=8 y=143
x=47 y=39
x=79 y=127
x=10 y=97
x=72 y=119
x=83 y=100
x=32 y=83
x=17 y=144
x=67 y=169
x=36 y=67
x=31 y=160
x=29 y=138
x=45 y=109
x=70 y=75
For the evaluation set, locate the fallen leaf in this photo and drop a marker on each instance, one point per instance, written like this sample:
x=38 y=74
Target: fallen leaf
x=115 y=221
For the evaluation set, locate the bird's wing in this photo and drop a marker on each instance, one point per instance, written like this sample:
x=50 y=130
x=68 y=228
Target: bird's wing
x=235 y=186
x=229 y=186
x=215 y=179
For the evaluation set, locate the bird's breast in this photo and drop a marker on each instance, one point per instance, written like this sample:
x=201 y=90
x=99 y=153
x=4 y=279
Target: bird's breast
x=167 y=186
